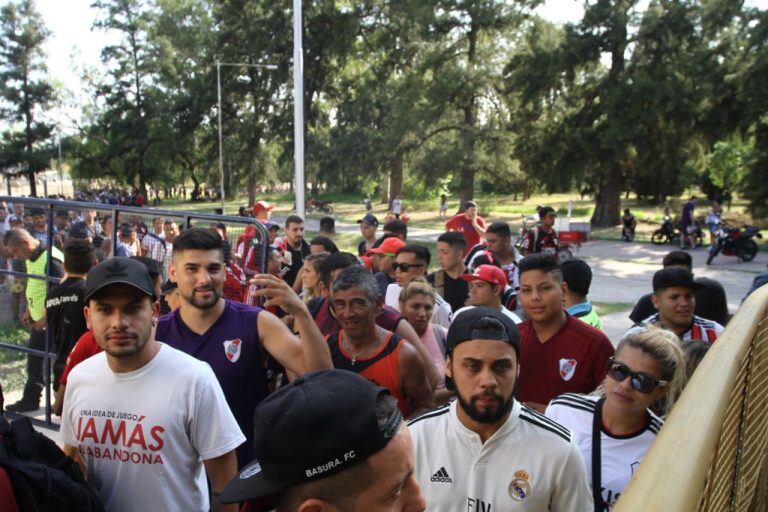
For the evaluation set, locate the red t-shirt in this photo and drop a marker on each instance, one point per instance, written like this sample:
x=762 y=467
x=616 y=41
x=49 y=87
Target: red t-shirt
x=574 y=360
x=85 y=347
x=461 y=223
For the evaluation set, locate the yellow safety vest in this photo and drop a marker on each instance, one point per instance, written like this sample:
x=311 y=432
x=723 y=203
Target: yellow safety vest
x=38 y=288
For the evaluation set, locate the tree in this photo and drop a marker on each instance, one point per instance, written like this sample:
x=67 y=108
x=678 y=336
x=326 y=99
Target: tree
x=25 y=92
x=129 y=95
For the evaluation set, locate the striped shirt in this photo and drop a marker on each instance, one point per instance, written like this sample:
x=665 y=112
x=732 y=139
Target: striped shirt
x=620 y=454
x=701 y=328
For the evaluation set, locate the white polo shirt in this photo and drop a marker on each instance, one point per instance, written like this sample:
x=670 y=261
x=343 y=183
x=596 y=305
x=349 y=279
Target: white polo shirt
x=530 y=464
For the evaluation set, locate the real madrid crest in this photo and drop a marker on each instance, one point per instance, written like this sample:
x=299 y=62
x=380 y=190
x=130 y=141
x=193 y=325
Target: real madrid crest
x=520 y=487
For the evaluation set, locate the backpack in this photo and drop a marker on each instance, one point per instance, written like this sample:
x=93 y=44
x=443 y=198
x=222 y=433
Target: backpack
x=42 y=477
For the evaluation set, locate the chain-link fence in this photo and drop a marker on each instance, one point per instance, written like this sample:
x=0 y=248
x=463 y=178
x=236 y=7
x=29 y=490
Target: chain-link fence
x=36 y=235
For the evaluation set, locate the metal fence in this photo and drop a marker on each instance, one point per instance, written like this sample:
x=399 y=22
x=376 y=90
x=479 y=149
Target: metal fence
x=27 y=355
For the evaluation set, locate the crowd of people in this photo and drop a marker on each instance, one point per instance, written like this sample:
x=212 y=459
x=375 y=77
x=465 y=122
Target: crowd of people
x=190 y=375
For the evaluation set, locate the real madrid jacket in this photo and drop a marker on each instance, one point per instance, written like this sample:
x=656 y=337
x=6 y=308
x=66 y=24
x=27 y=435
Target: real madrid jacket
x=530 y=464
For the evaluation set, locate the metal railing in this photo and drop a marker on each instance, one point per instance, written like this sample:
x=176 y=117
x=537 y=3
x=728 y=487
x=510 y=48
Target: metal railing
x=712 y=452
x=57 y=214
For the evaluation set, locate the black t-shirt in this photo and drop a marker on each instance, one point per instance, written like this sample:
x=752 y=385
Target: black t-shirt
x=454 y=291
x=64 y=315
x=643 y=309
x=297 y=260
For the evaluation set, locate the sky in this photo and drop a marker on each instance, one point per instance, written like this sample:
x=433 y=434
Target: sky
x=74 y=45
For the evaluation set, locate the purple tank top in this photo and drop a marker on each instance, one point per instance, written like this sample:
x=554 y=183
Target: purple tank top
x=232 y=348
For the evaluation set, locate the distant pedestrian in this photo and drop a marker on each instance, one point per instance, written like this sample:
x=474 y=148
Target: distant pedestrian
x=469 y=223
x=687 y=224
x=543 y=237
x=443 y=206
x=367 y=203
x=714 y=220
x=629 y=223
x=368 y=226
x=397 y=206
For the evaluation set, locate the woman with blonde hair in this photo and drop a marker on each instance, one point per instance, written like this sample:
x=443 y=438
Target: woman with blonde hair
x=417 y=301
x=310 y=276
x=616 y=426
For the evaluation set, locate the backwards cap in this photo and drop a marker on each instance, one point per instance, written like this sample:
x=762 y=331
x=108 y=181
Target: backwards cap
x=318 y=425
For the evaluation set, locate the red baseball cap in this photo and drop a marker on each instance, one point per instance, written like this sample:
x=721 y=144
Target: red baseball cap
x=259 y=206
x=389 y=246
x=488 y=273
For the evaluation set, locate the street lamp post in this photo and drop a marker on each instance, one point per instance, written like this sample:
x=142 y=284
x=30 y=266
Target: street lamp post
x=298 y=108
x=221 y=141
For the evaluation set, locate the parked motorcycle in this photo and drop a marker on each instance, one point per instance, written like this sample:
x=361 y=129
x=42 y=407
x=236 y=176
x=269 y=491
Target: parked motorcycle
x=669 y=232
x=737 y=242
x=321 y=206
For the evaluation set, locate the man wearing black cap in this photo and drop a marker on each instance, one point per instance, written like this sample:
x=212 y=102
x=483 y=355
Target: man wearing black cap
x=368 y=225
x=329 y=441
x=486 y=451
x=577 y=277
x=148 y=422
x=675 y=300
x=469 y=223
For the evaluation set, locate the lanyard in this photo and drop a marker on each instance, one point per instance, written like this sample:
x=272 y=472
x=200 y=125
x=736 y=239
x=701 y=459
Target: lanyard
x=597 y=420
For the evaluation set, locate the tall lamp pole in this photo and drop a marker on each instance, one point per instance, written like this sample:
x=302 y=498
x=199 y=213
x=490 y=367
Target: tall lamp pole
x=221 y=139
x=298 y=107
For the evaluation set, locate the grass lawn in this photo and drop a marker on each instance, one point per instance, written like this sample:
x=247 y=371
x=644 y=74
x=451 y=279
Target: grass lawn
x=12 y=363
x=607 y=308
x=494 y=207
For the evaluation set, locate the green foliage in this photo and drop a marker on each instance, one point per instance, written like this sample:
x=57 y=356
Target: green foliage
x=417 y=97
x=25 y=93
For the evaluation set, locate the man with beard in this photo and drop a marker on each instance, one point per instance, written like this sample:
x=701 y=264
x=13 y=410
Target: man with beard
x=148 y=423
x=234 y=338
x=486 y=451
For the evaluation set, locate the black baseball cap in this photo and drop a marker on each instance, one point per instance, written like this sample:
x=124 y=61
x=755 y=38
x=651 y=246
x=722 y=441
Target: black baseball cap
x=168 y=286
x=466 y=326
x=369 y=218
x=318 y=425
x=119 y=271
x=577 y=274
x=674 y=276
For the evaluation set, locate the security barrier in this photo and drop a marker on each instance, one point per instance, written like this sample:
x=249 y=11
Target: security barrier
x=712 y=453
x=27 y=356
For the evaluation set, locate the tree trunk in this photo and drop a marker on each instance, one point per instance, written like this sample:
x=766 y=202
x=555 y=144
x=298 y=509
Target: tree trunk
x=251 y=188
x=608 y=201
x=384 y=188
x=32 y=184
x=396 y=174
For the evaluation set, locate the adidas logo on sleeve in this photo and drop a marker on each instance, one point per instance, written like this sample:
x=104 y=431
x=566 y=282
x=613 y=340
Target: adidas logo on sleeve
x=441 y=476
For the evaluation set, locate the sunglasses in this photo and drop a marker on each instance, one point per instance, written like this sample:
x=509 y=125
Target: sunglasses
x=405 y=267
x=640 y=381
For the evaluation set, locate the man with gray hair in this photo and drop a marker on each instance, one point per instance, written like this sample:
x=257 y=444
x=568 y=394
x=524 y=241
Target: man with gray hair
x=371 y=351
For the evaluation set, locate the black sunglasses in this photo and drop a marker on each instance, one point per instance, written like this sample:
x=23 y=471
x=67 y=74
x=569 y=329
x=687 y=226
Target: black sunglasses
x=640 y=381
x=405 y=267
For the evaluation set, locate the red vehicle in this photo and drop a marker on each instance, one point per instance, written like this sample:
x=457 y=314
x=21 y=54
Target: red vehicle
x=735 y=242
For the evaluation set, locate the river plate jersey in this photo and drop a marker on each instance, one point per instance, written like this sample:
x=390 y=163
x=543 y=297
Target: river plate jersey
x=231 y=346
x=530 y=464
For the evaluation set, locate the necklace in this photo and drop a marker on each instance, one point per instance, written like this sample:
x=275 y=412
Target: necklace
x=348 y=347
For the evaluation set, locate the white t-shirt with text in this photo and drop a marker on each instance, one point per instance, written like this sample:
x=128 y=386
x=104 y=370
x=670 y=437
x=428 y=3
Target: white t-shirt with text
x=144 y=435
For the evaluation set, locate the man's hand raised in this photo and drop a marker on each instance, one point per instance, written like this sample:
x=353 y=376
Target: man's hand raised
x=278 y=293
